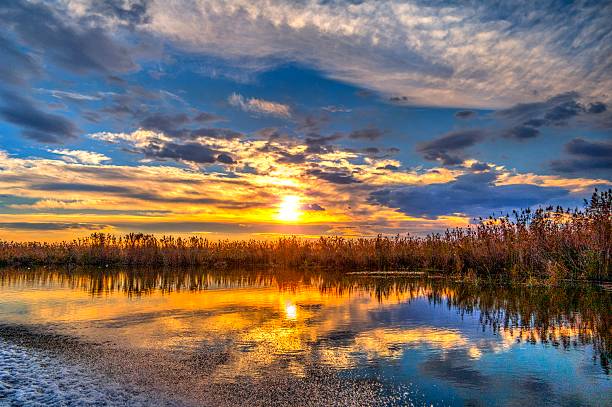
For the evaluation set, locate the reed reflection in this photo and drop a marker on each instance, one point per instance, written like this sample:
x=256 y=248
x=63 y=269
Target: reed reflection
x=296 y=319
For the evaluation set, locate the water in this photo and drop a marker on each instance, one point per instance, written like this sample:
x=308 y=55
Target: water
x=245 y=338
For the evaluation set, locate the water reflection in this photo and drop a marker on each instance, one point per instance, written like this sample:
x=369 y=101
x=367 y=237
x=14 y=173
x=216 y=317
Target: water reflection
x=473 y=341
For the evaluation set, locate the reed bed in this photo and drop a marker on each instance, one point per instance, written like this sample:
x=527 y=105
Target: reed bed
x=550 y=243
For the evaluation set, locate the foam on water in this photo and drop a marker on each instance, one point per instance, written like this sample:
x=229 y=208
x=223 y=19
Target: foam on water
x=33 y=378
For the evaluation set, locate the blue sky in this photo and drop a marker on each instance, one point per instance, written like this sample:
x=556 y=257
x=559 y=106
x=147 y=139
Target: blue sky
x=373 y=117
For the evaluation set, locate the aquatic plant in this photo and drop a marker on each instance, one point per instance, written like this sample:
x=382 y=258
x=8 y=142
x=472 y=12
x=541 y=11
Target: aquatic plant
x=546 y=243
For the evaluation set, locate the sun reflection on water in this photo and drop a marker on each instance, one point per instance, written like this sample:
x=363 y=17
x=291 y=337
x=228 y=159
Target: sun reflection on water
x=267 y=322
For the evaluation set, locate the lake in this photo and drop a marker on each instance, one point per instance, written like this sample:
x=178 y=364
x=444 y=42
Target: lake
x=192 y=337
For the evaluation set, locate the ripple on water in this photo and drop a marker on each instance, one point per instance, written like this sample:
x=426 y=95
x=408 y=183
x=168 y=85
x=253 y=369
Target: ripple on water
x=30 y=377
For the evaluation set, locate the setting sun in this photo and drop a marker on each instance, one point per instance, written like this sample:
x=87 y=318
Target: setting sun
x=289 y=209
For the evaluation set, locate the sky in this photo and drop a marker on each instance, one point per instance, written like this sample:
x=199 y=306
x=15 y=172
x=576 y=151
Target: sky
x=240 y=119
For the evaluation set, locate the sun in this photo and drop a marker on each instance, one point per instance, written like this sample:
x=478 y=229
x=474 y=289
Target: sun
x=289 y=209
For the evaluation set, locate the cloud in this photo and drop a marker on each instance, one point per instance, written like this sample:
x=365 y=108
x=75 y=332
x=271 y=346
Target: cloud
x=597 y=107
x=80 y=187
x=441 y=53
x=259 y=106
x=336 y=109
x=474 y=194
x=465 y=114
x=80 y=156
x=131 y=13
x=164 y=122
x=76 y=46
x=193 y=152
x=204 y=117
x=366 y=134
x=220 y=133
x=318 y=144
x=478 y=166
x=36 y=124
x=72 y=96
x=139 y=138
x=562 y=110
x=312 y=207
x=335 y=176
x=587 y=156
x=17 y=66
x=521 y=133
x=448 y=148
x=51 y=226
x=592 y=149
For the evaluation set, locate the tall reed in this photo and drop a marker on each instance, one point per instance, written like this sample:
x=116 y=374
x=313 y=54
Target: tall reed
x=550 y=243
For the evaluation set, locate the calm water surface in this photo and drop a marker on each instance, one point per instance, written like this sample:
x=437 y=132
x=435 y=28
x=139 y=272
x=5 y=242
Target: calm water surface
x=413 y=340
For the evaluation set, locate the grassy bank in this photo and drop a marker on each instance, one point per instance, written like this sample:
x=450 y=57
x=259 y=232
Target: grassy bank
x=546 y=243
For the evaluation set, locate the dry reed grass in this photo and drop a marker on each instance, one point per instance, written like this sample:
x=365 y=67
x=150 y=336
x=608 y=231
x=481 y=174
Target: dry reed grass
x=547 y=243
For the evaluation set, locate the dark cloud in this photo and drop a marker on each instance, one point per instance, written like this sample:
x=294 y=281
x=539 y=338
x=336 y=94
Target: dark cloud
x=562 y=112
x=80 y=187
x=338 y=176
x=165 y=123
x=193 y=152
x=43 y=226
x=173 y=125
x=465 y=114
x=312 y=207
x=586 y=156
x=478 y=166
x=448 y=147
x=121 y=109
x=473 y=194
x=78 y=48
x=366 y=134
x=579 y=146
x=225 y=159
x=135 y=193
x=93 y=117
x=17 y=66
x=526 y=111
x=399 y=99
x=388 y=167
x=521 y=133
x=371 y=150
x=313 y=123
x=215 y=133
x=36 y=124
x=597 y=107
x=558 y=111
x=317 y=144
x=535 y=123
x=288 y=158
x=204 y=117
x=270 y=133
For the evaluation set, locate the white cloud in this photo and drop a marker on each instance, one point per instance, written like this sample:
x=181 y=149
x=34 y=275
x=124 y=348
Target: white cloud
x=139 y=138
x=259 y=106
x=81 y=156
x=60 y=94
x=467 y=55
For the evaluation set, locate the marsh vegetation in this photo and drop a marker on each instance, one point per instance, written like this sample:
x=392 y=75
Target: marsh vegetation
x=547 y=243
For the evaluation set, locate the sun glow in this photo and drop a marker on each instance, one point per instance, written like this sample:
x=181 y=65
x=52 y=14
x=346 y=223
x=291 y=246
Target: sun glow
x=289 y=209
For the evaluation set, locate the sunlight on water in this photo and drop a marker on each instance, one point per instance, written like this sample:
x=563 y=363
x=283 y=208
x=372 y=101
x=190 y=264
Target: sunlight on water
x=453 y=342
